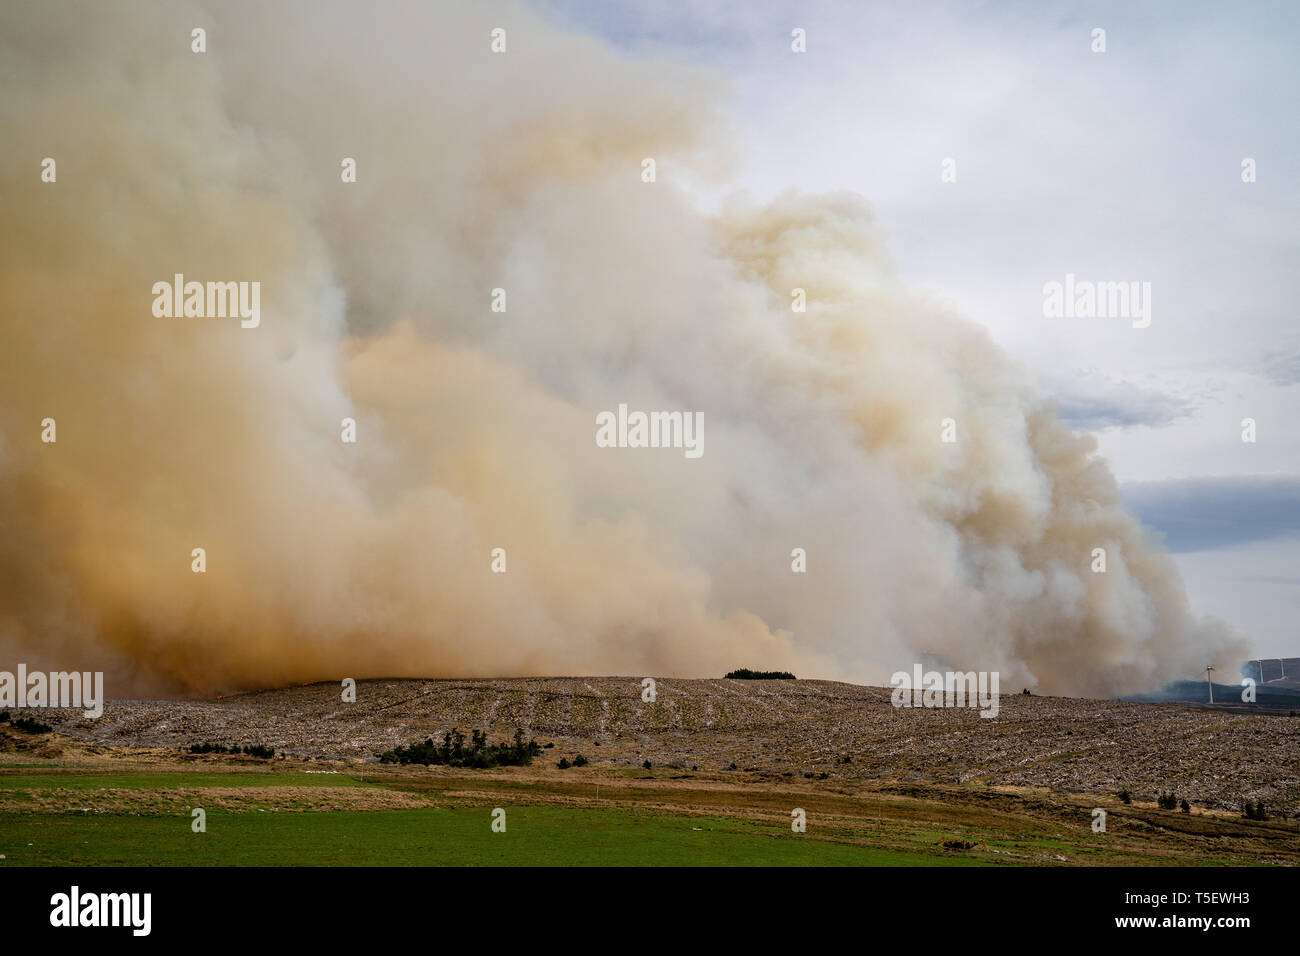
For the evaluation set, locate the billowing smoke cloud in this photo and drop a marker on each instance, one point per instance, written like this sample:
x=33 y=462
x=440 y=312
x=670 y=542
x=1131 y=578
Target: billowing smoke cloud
x=478 y=171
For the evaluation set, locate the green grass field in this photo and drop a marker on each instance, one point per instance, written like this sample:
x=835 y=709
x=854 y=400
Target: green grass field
x=462 y=836
x=109 y=813
x=52 y=815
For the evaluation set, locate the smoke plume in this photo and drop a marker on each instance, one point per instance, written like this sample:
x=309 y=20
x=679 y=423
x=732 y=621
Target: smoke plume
x=475 y=429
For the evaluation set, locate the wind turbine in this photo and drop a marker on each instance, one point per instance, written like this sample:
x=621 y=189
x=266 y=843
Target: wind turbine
x=1208 y=668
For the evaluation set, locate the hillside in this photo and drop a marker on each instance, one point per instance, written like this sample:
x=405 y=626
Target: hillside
x=1216 y=759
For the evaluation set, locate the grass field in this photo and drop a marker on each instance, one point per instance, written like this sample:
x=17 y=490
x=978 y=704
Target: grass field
x=535 y=836
x=28 y=780
x=275 y=825
x=124 y=809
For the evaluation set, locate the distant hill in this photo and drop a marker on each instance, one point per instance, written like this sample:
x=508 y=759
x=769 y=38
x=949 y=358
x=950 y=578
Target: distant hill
x=1276 y=673
x=1216 y=757
x=1279 y=688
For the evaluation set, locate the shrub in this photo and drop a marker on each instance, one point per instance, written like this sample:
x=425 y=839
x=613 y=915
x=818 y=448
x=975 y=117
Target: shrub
x=647 y=765
x=746 y=674
x=1125 y=796
x=31 y=726
x=1254 y=811
x=452 y=752
x=564 y=763
x=580 y=761
x=207 y=748
x=733 y=766
x=1185 y=807
x=252 y=750
x=1167 y=801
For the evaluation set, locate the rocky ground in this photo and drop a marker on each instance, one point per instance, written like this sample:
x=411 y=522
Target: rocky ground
x=1216 y=759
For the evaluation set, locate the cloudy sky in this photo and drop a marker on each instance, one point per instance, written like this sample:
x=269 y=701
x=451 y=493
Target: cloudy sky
x=1114 y=166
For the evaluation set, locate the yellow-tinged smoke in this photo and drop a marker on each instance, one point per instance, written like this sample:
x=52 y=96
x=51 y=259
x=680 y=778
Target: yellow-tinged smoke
x=478 y=171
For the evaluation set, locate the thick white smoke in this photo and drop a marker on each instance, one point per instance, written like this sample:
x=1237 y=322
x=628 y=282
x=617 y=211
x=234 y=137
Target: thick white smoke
x=478 y=171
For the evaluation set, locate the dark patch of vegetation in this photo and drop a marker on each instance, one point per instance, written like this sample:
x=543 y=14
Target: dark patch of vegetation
x=4 y=717
x=962 y=844
x=31 y=726
x=1125 y=796
x=1167 y=801
x=1254 y=811
x=564 y=763
x=733 y=766
x=452 y=752
x=580 y=761
x=1185 y=807
x=746 y=674
x=252 y=750
x=647 y=765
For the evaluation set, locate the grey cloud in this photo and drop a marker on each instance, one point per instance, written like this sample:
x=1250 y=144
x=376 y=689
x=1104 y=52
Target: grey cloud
x=1091 y=405
x=1202 y=514
x=1282 y=368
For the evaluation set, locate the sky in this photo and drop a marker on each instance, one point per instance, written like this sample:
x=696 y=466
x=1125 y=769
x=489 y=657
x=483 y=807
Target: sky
x=393 y=473
x=1122 y=165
